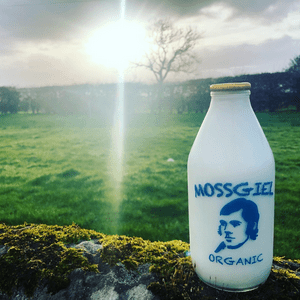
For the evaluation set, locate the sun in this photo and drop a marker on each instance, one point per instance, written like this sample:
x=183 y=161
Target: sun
x=117 y=44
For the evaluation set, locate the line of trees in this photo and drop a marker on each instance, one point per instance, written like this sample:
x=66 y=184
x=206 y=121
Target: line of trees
x=269 y=92
x=9 y=100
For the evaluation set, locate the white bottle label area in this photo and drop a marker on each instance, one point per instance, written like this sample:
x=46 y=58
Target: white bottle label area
x=234 y=240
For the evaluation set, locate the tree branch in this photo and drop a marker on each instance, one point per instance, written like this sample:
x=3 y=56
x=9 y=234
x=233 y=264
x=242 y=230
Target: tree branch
x=171 y=50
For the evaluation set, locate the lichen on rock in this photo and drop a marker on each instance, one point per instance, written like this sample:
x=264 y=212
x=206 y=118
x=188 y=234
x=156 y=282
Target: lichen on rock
x=36 y=254
x=49 y=257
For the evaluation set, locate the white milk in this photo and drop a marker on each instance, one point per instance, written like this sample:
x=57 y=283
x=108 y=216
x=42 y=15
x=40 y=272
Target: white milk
x=231 y=163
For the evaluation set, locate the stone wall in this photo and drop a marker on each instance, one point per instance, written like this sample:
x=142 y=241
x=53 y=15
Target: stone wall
x=67 y=262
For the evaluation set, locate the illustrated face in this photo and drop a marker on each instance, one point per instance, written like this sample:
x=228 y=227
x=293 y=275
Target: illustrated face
x=233 y=229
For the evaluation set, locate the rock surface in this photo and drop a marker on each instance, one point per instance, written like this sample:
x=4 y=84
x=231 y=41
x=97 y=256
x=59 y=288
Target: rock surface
x=118 y=283
x=113 y=283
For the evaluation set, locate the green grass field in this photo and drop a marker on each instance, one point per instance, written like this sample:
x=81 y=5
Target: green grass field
x=58 y=170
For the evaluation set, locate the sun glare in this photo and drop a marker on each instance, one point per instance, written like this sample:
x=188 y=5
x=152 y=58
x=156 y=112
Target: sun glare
x=116 y=44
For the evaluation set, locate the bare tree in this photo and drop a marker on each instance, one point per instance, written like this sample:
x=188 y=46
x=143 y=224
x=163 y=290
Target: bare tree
x=171 y=50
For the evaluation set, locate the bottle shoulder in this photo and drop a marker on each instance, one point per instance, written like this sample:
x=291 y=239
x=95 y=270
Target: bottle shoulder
x=237 y=143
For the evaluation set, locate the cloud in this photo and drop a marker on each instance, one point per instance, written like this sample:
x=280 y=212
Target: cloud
x=40 y=69
x=46 y=68
x=53 y=20
x=63 y=20
x=268 y=8
x=270 y=56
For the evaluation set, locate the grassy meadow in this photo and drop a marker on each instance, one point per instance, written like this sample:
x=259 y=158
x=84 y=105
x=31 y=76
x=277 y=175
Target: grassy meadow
x=59 y=170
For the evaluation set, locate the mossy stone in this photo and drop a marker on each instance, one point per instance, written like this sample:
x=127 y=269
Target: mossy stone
x=37 y=255
x=34 y=255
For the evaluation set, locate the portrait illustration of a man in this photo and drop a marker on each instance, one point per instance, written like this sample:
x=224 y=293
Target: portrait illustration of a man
x=238 y=223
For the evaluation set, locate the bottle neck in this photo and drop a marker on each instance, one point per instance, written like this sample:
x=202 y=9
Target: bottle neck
x=230 y=100
x=230 y=94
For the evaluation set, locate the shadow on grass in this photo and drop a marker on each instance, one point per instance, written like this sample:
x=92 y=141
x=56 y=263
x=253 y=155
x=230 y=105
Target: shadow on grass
x=154 y=221
x=59 y=199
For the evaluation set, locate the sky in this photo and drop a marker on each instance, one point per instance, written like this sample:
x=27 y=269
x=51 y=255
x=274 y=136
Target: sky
x=65 y=42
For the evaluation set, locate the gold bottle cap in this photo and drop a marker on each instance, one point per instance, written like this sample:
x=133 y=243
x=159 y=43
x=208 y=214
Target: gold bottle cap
x=234 y=86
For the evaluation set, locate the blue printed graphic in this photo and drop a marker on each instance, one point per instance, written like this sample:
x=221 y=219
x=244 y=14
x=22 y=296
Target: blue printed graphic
x=238 y=223
x=228 y=189
x=244 y=261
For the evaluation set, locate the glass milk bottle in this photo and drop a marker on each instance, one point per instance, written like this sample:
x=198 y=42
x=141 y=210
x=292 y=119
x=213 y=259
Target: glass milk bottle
x=231 y=186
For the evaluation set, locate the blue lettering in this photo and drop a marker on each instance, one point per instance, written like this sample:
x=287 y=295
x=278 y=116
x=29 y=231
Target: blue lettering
x=228 y=261
x=248 y=261
x=219 y=259
x=245 y=190
x=242 y=189
x=211 y=257
x=199 y=191
x=257 y=189
x=265 y=190
x=216 y=186
x=240 y=261
x=227 y=189
x=212 y=191
x=270 y=192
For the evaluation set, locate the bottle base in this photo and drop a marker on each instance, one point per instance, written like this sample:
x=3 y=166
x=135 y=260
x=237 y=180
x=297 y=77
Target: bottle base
x=233 y=290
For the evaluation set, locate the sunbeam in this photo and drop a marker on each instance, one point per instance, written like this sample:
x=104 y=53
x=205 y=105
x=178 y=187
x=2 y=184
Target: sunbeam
x=117 y=151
